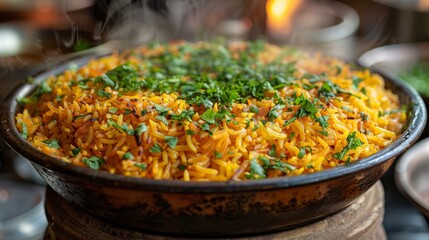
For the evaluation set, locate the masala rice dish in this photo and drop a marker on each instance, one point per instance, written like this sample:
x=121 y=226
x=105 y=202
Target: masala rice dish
x=210 y=111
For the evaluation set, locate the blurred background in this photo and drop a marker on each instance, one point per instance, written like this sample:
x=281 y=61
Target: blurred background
x=37 y=35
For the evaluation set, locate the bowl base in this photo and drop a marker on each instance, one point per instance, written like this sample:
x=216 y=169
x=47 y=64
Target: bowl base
x=68 y=222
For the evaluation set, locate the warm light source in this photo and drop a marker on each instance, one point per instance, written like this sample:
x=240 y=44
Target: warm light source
x=423 y=5
x=280 y=14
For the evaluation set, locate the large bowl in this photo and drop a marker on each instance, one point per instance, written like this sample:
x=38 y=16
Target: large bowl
x=411 y=175
x=211 y=208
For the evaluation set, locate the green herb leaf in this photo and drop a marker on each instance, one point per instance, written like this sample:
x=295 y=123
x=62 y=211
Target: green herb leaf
x=52 y=143
x=190 y=132
x=181 y=167
x=75 y=151
x=93 y=162
x=113 y=109
x=128 y=156
x=324 y=133
x=141 y=128
x=24 y=133
x=291 y=135
x=155 y=148
x=102 y=93
x=353 y=142
x=209 y=116
x=254 y=109
x=274 y=113
x=124 y=128
x=272 y=152
x=142 y=166
x=356 y=80
x=307 y=107
x=303 y=151
x=171 y=141
x=217 y=154
x=256 y=170
x=288 y=122
x=323 y=121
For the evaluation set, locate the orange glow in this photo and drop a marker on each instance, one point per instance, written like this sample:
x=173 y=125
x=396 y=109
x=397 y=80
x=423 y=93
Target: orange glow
x=280 y=13
x=423 y=5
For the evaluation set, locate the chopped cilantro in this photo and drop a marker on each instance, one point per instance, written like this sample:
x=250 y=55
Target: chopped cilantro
x=113 y=109
x=323 y=121
x=102 y=93
x=353 y=142
x=303 y=151
x=141 y=128
x=52 y=143
x=217 y=154
x=128 y=156
x=256 y=170
x=307 y=107
x=155 y=148
x=291 y=135
x=124 y=128
x=93 y=162
x=24 y=133
x=209 y=116
x=274 y=112
x=171 y=141
x=356 y=80
x=272 y=152
x=254 y=109
x=324 y=133
x=181 y=167
x=190 y=132
x=288 y=122
x=75 y=151
x=142 y=166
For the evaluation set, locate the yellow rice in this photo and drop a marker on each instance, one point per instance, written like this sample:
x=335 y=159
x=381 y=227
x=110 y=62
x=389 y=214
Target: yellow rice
x=79 y=120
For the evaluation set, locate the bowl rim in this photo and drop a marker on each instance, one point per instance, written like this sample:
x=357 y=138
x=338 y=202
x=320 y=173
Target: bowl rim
x=13 y=138
x=404 y=168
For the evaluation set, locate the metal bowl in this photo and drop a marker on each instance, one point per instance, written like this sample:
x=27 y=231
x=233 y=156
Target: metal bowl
x=411 y=175
x=211 y=208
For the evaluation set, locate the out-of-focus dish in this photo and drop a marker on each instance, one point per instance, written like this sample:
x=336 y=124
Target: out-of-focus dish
x=411 y=175
x=208 y=111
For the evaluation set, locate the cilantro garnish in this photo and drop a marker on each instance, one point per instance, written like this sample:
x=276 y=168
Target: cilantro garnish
x=353 y=142
x=323 y=121
x=209 y=116
x=141 y=128
x=52 y=143
x=217 y=154
x=155 y=148
x=93 y=162
x=256 y=170
x=124 y=128
x=274 y=112
x=75 y=151
x=307 y=107
x=142 y=166
x=190 y=132
x=102 y=93
x=272 y=152
x=24 y=133
x=171 y=141
x=128 y=156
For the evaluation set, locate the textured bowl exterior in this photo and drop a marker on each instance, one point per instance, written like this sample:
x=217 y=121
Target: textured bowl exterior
x=212 y=208
x=214 y=214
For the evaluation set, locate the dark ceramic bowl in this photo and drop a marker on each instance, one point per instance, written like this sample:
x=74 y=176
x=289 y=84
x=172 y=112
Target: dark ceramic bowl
x=212 y=208
x=411 y=175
